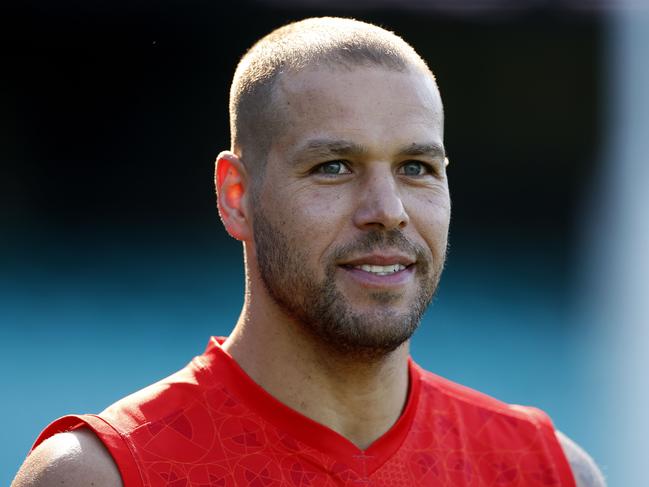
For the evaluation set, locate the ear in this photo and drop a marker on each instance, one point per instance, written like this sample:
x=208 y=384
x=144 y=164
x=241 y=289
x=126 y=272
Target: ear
x=231 y=181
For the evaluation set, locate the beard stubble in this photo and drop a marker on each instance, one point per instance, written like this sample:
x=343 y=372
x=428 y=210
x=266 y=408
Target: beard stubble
x=322 y=310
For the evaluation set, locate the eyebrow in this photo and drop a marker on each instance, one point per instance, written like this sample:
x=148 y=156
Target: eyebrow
x=333 y=147
x=432 y=150
x=341 y=147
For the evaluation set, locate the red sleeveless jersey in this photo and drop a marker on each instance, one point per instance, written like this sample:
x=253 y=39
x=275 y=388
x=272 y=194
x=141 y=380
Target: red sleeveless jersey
x=211 y=425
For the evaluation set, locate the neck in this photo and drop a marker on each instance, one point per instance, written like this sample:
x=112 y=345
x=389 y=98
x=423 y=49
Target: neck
x=358 y=397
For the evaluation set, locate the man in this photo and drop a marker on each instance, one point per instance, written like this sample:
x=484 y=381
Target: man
x=336 y=185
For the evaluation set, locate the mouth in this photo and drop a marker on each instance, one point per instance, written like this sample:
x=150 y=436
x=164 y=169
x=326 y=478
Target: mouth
x=379 y=270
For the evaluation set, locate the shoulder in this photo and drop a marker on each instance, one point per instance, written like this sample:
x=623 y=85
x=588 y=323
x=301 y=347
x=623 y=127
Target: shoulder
x=76 y=458
x=159 y=401
x=584 y=468
x=467 y=396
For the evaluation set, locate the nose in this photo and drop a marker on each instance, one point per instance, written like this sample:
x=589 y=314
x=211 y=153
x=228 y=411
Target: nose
x=380 y=206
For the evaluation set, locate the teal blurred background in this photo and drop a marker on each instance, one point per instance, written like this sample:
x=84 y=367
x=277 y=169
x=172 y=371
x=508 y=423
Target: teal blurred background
x=114 y=268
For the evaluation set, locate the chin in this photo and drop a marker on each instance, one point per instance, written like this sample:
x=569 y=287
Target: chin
x=371 y=334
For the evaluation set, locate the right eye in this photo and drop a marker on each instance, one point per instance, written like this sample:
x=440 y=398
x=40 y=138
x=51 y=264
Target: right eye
x=332 y=168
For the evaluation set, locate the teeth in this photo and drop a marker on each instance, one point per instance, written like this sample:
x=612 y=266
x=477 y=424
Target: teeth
x=381 y=270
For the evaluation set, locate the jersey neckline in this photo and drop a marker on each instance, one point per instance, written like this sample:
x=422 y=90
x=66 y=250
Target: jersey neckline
x=225 y=370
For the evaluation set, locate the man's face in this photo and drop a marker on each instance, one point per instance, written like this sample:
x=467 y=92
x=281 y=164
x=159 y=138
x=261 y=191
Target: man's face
x=351 y=218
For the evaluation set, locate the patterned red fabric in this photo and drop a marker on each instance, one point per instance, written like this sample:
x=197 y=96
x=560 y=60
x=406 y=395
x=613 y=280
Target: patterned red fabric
x=211 y=425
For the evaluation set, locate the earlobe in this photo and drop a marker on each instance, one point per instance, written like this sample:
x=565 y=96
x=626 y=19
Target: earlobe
x=230 y=179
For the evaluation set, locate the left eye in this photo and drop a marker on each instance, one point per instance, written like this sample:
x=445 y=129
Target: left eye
x=414 y=168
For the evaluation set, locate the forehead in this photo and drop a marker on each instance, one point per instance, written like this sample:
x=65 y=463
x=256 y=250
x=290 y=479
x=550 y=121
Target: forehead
x=373 y=106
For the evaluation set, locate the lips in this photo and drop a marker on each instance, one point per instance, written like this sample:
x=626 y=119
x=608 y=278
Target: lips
x=380 y=259
x=381 y=270
x=380 y=266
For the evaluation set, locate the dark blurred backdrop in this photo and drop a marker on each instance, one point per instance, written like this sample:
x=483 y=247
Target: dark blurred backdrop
x=115 y=269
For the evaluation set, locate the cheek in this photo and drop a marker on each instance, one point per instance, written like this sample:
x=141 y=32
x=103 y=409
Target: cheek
x=433 y=223
x=436 y=226
x=318 y=210
x=320 y=221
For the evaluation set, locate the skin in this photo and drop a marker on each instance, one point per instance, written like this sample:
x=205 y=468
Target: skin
x=337 y=197
x=362 y=192
x=368 y=192
x=72 y=459
x=584 y=468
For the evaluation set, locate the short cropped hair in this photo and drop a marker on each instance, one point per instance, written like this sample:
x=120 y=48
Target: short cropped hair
x=331 y=42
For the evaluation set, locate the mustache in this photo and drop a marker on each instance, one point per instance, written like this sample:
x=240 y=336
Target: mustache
x=378 y=240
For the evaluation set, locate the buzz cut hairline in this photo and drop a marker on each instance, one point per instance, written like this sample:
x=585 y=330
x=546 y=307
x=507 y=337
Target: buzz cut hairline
x=329 y=42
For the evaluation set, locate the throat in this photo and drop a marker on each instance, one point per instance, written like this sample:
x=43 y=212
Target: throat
x=360 y=405
x=362 y=425
x=360 y=398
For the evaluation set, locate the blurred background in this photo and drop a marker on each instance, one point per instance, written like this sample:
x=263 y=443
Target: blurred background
x=114 y=268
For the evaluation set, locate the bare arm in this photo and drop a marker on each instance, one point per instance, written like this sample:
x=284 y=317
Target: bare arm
x=72 y=459
x=584 y=468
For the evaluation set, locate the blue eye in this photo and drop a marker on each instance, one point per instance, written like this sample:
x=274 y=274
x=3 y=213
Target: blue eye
x=414 y=168
x=333 y=168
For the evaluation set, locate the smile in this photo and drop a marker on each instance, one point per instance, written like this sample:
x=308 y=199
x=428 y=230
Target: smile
x=385 y=276
x=380 y=270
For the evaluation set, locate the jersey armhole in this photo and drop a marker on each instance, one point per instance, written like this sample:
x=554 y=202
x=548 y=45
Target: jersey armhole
x=544 y=422
x=114 y=442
